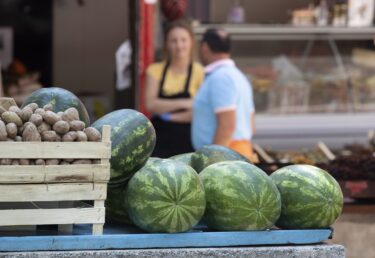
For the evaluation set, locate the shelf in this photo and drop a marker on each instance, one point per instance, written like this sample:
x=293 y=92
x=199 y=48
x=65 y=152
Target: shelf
x=287 y=32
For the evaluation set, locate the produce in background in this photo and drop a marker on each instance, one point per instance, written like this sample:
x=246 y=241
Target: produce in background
x=133 y=140
x=353 y=162
x=184 y=158
x=59 y=100
x=211 y=154
x=36 y=124
x=240 y=196
x=166 y=196
x=311 y=198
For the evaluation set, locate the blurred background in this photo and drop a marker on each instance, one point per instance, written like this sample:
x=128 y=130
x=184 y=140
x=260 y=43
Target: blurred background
x=311 y=65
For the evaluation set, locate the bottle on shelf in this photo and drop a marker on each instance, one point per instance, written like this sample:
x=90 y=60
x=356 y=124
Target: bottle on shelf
x=236 y=13
x=322 y=13
x=340 y=13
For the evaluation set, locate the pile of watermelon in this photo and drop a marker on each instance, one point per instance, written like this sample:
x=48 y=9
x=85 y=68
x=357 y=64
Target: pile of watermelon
x=228 y=194
x=214 y=186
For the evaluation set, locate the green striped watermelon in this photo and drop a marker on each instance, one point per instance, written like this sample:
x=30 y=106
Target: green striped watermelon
x=311 y=198
x=211 y=154
x=60 y=99
x=240 y=196
x=133 y=140
x=165 y=196
x=115 y=204
x=184 y=158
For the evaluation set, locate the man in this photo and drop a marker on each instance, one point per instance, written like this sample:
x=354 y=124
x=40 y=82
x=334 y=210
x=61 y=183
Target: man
x=223 y=110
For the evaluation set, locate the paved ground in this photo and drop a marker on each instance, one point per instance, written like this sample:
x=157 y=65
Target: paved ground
x=308 y=251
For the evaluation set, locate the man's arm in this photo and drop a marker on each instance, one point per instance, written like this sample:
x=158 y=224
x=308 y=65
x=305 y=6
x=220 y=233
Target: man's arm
x=159 y=106
x=253 y=124
x=226 y=123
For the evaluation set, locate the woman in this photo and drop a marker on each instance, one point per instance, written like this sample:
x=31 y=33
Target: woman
x=170 y=87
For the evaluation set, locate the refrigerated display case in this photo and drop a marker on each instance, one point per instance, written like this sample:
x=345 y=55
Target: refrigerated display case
x=310 y=83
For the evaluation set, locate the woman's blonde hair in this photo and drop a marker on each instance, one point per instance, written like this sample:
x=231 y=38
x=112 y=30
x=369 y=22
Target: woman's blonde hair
x=183 y=24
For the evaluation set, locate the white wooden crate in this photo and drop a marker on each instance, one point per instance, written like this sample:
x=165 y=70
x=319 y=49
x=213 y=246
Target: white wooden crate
x=56 y=183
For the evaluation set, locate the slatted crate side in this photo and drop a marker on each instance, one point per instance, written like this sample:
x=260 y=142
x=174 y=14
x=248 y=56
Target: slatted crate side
x=58 y=150
x=53 y=192
x=95 y=173
x=55 y=150
x=52 y=216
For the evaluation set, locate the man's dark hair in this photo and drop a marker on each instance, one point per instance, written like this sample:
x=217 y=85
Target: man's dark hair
x=218 y=40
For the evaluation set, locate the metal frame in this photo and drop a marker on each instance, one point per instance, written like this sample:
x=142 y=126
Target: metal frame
x=286 y=32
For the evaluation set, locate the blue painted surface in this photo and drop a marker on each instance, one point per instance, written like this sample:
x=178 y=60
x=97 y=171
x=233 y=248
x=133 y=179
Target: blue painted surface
x=143 y=240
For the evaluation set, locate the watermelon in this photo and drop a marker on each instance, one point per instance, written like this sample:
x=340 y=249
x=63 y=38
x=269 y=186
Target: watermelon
x=115 y=204
x=133 y=140
x=184 y=158
x=166 y=196
x=211 y=154
x=311 y=198
x=60 y=99
x=240 y=196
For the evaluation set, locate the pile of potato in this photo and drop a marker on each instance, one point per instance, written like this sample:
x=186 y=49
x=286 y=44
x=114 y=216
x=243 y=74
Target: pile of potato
x=35 y=124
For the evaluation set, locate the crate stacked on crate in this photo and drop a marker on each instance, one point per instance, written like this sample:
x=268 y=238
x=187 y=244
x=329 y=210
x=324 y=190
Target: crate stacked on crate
x=56 y=184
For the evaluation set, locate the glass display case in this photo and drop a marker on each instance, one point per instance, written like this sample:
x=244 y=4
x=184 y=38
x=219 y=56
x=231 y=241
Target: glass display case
x=313 y=80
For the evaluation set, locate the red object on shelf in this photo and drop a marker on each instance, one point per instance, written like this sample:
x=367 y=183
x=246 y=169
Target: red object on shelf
x=356 y=187
x=173 y=9
x=146 y=49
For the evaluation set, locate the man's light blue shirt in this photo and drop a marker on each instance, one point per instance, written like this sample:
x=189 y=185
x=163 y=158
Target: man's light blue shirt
x=225 y=88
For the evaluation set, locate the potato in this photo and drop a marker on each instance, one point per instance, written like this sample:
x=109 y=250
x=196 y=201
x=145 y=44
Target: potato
x=70 y=114
x=20 y=130
x=36 y=119
x=52 y=162
x=61 y=127
x=3 y=131
x=18 y=138
x=40 y=111
x=93 y=135
x=51 y=117
x=63 y=162
x=69 y=160
x=44 y=127
x=40 y=162
x=16 y=110
x=96 y=161
x=30 y=134
x=15 y=162
x=49 y=136
x=10 y=140
x=76 y=125
x=11 y=130
x=48 y=107
x=69 y=137
x=11 y=117
x=5 y=162
x=81 y=137
x=26 y=113
x=82 y=161
x=33 y=106
x=24 y=162
x=60 y=114
x=58 y=138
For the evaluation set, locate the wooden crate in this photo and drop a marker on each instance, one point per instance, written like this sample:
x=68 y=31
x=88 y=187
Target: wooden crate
x=56 y=184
